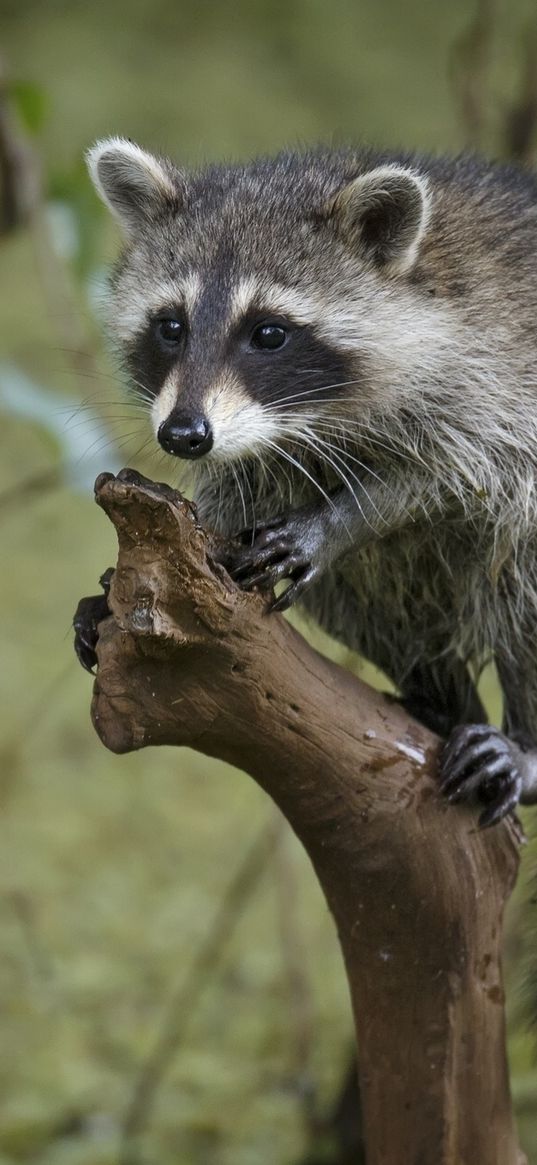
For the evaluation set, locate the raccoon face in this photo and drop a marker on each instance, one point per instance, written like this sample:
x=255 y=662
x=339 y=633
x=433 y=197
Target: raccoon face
x=252 y=303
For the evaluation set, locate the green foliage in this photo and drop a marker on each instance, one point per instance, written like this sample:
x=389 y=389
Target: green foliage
x=31 y=104
x=70 y=187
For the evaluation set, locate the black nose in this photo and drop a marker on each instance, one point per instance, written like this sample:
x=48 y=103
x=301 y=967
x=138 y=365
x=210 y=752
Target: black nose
x=186 y=436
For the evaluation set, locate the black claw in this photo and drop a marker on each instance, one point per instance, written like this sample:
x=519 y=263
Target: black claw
x=279 y=571
x=481 y=784
x=268 y=558
x=86 y=656
x=266 y=565
x=500 y=808
x=258 y=557
x=479 y=764
x=269 y=554
x=284 y=601
x=262 y=580
x=461 y=738
x=295 y=590
x=90 y=612
x=106 y=579
x=454 y=790
x=482 y=759
x=250 y=534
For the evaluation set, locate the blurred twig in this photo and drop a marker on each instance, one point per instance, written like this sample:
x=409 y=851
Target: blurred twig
x=19 y=172
x=520 y=118
x=35 y=485
x=40 y=707
x=470 y=83
x=182 y=1004
x=62 y=302
x=469 y=66
x=25 y=910
x=23 y=203
x=295 y=963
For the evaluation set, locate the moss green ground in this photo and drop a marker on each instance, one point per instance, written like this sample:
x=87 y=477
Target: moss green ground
x=111 y=869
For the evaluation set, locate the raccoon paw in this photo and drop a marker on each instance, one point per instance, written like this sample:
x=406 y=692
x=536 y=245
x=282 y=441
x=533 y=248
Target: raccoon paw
x=480 y=764
x=89 y=613
x=272 y=552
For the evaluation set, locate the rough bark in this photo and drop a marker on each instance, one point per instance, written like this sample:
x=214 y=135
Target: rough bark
x=417 y=892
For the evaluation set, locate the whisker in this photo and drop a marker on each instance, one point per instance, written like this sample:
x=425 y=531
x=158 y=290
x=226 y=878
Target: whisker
x=246 y=479
x=292 y=460
x=147 y=394
x=219 y=503
x=141 y=449
x=310 y=391
x=101 y=422
x=241 y=494
x=84 y=408
x=318 y=450
x=366 y=433
x=345 y=453
x=100 y=445
x=336 y=466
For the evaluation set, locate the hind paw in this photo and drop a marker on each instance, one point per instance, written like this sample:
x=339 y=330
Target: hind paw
x=480 y=764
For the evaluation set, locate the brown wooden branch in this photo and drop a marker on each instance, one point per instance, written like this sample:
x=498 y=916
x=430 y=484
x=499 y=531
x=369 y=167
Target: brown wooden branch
x=417 y=893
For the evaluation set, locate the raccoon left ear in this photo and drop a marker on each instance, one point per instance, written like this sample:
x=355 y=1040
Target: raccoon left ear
x=385 y=213
x=134 y=184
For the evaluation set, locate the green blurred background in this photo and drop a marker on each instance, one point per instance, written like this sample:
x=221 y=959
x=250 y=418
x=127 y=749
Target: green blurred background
x=115 y=871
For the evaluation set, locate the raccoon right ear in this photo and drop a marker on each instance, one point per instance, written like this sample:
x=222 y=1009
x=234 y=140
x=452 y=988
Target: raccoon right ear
x=385 y=213
x=135 y=185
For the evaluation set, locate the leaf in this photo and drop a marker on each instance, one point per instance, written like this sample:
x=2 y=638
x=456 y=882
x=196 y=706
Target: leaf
x=72 y=186
x=31 y=103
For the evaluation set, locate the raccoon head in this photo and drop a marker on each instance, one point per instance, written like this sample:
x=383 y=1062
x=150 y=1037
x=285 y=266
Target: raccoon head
x=253 y=302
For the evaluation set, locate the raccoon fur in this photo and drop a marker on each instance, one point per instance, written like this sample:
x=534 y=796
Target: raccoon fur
x=343 y=346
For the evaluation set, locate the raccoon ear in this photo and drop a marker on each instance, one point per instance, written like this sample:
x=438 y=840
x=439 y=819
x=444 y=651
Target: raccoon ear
x=134 y=184
x=385 y=213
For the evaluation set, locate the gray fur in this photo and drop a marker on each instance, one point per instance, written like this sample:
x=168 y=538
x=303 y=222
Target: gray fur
x=436 y=436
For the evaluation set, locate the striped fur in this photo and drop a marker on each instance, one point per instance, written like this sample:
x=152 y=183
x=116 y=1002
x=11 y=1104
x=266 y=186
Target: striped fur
x=415 y=386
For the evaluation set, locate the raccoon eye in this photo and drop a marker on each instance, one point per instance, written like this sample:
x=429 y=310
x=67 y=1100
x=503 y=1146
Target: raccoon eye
x=170 y=330
x=268 y=336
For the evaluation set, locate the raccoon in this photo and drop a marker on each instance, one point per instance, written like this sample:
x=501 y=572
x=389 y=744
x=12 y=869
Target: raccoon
x=343 y=347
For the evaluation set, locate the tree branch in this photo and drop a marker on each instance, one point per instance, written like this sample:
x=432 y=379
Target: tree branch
x=416 y=891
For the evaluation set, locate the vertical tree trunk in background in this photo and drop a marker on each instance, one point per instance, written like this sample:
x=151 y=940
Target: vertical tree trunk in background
x=417 y=893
